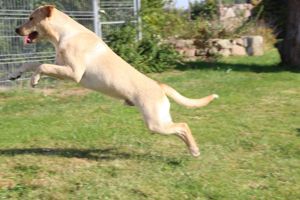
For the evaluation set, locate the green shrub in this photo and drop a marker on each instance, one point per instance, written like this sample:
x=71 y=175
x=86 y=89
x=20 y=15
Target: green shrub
x=148 y=55
x=206 y=9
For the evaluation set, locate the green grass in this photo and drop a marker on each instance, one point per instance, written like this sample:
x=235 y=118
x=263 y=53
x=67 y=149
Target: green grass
x=66 y=143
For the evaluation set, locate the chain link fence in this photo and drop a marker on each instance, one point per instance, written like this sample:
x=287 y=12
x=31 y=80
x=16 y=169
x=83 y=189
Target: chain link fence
x=101 y=16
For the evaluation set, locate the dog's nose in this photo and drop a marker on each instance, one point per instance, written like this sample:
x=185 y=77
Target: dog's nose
x=18 y=30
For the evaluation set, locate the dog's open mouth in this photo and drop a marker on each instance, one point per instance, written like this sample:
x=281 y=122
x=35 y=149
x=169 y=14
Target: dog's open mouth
x=31 y=37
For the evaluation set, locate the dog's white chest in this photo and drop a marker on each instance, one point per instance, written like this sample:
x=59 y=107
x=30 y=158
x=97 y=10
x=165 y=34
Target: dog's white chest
x=98 y=80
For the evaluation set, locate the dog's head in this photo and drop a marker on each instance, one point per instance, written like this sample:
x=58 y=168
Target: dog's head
x=35 y=28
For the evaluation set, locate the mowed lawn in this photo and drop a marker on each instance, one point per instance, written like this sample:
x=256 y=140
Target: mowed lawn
x=63 y=142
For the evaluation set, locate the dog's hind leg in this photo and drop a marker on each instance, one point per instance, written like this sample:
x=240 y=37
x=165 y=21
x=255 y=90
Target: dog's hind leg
x=179 y=129
x=158 y=120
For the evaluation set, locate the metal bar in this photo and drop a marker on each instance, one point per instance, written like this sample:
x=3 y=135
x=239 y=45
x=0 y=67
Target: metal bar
x=23 y=61
x=9 y=36
x=26 y=54
x=96 y=17
x=29 y=11
x=24 y=58
x=115 y=8
x=9 y=81
x=139 y=20
x=100 y=21
x=16 y=10
x=116 y=22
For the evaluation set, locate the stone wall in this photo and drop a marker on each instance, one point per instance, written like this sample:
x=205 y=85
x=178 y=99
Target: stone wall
x=234 y=15
x=244 y=46
x=235 y=10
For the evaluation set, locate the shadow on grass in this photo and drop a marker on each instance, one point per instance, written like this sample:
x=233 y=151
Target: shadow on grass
x=241 y=67
x=93 y=154
x=106 y=154
x=298 y=132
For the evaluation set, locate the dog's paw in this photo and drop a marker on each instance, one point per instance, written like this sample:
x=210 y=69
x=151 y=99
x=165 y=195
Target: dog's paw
x=195 y=151
x=35 y=80
x=14 y=76
x=215 y=96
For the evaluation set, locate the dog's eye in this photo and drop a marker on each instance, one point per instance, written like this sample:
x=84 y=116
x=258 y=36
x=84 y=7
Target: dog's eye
x=31 y=18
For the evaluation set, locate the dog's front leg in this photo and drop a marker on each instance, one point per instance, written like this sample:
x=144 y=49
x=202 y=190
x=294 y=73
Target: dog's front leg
x=57 y=71
x=26 y=67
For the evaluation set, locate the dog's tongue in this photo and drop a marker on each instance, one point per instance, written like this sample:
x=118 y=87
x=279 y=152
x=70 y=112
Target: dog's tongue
x=26 y=39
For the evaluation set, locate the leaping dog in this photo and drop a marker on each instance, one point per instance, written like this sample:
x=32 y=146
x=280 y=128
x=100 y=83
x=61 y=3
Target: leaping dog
x=83 y=57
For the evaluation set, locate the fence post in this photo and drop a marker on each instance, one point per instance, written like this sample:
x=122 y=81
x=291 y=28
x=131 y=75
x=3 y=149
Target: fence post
x=97 y=25
x=137 y=9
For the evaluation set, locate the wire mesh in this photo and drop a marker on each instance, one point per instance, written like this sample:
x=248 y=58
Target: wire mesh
x=115 y=13
x=230 y=2
x=111 y=14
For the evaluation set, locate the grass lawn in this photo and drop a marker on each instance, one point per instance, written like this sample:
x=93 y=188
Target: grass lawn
x=64 y=142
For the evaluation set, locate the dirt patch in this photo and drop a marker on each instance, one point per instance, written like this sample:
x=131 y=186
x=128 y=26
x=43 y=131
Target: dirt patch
x=64 y=92
x=7 y=184
x=290 y=91
x=4 y=89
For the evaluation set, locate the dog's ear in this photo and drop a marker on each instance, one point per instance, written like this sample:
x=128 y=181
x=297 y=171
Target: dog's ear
x=48 y=9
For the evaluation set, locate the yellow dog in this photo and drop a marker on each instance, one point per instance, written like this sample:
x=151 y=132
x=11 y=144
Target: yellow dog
x=84 y=58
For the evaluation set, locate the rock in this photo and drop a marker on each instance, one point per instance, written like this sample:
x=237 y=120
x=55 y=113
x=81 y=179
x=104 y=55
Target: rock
x=247 y=14
x=237 y=50
x=255 y=51
x=239 y=42
x=201 y=52
x=213 y=51
x=223 y=44
x=180 y=44
x=189 y=52
x=189 y=43
x=245 y=41
x=229 y=13
x=171 y=41
x=249 y=6
x=255 y=45
x=180 y=51
x=191 y=59
x=225 y=52
x=241 y=6
x=183 y=43
x=222 y=11
x=212 y=42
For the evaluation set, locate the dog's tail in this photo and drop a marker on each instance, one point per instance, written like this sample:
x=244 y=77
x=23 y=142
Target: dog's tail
x=182 y=100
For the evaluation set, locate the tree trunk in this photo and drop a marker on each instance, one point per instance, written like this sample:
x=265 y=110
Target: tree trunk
x=290 y=51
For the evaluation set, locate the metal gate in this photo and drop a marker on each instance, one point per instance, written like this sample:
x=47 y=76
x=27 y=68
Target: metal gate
x=114 y=13
x=101 y=16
